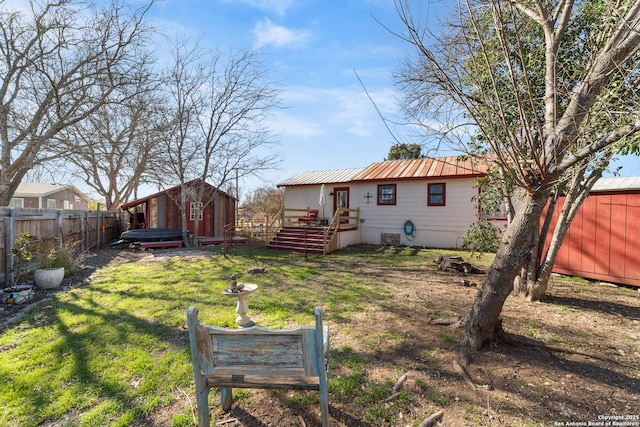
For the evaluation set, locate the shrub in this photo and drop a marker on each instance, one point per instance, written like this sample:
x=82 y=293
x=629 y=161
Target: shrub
x=63 y=256
x=481 y=237
x=24 y=254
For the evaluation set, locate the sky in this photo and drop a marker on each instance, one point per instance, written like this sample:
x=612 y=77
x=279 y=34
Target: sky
x=322 y=53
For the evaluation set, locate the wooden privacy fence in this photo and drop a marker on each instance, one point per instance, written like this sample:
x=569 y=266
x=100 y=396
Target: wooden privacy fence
x=80 y=230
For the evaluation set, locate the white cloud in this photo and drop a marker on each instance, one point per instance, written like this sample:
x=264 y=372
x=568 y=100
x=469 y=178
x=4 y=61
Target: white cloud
x=335 y=110
x=357 y=114
x=296 y=126
x=267 y=33
x=278 y=6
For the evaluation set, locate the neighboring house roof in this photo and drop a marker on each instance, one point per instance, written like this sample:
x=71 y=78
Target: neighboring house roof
x=333 y=176
x=37 y=189
x=151 y=196
x=617 y=184
x=441 y=167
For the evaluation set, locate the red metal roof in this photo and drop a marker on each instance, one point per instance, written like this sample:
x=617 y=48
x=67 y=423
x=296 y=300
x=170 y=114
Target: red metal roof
x=441 y=167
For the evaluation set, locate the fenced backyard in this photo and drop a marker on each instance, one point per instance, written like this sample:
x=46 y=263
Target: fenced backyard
x=81 y=230
x=114 y=350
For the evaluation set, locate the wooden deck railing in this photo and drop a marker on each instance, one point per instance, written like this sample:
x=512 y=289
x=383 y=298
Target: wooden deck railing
x=291 y=215
x=342 y=219
x=272 y=228
x=261 y=232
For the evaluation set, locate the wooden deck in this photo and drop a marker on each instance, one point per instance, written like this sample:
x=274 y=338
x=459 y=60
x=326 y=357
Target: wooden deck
x=167 y=244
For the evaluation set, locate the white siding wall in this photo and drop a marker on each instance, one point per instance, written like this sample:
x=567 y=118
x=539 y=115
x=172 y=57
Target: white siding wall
x=435 y=226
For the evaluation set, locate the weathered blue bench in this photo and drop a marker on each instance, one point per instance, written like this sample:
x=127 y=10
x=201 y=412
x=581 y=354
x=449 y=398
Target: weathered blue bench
x=258 y=357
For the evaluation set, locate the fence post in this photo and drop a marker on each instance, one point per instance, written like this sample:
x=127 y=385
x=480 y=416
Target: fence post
x=97 y=226
x=87 y=229
x=82 y=232
x=9 y=243
x=104 y=225
x=59 y=228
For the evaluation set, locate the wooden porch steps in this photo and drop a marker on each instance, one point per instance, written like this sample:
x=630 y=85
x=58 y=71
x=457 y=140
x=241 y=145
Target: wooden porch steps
x=300 y=239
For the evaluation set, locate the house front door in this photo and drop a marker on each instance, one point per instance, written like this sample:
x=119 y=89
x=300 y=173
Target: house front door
x=341 y=200
x=194 y=213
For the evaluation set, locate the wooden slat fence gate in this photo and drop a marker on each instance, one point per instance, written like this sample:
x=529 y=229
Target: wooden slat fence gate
x=80 y=230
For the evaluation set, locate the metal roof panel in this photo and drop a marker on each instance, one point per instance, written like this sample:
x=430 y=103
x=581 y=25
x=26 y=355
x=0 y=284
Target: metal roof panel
x=322 y=177
x=623 y=183
x=392 y=170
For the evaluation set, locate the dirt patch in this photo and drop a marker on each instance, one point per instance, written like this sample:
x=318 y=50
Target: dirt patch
x=574 y=358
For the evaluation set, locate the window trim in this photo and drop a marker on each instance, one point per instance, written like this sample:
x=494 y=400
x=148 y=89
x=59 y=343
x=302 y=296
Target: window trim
x=444 y=194
x=394 y=195
x=192 y=217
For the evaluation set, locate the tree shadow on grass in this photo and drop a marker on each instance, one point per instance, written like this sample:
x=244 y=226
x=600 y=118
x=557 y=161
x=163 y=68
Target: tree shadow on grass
x=85 y=333
x=589 y=367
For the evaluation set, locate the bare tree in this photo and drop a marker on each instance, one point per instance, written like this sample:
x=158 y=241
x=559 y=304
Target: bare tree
x=264 y=203
x=114 y=150
x=551 y=89
x=218 y=131
x=60 y=61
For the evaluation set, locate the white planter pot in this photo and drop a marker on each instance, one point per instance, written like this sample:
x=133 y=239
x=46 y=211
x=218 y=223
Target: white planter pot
x=48 y=278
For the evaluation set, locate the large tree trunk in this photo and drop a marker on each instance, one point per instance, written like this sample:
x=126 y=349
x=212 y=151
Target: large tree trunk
x=522 y=284
x=534 y=286
x=483 y=322
x=183 y=214
x=7 y=191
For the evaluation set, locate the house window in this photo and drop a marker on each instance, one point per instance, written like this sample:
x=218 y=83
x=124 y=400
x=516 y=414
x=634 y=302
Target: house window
x=51 y=203
x=437 y=195
x=387 y=194
x=192 y=211
x=17 y=203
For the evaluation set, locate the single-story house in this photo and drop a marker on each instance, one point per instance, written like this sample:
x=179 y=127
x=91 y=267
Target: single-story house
x=418 y=202
x=602 y=241
x=162 y=210
x=49 y=196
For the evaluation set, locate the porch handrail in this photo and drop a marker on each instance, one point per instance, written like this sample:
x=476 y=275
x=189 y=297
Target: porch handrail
x=271 y=230
x=290 y=215
x=335 y=225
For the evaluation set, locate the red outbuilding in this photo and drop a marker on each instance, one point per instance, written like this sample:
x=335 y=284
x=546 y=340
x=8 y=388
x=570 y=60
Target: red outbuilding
x=603 y=241
x=162 y=210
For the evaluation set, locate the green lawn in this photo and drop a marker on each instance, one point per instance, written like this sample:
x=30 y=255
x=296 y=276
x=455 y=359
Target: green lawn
x=109 y=353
